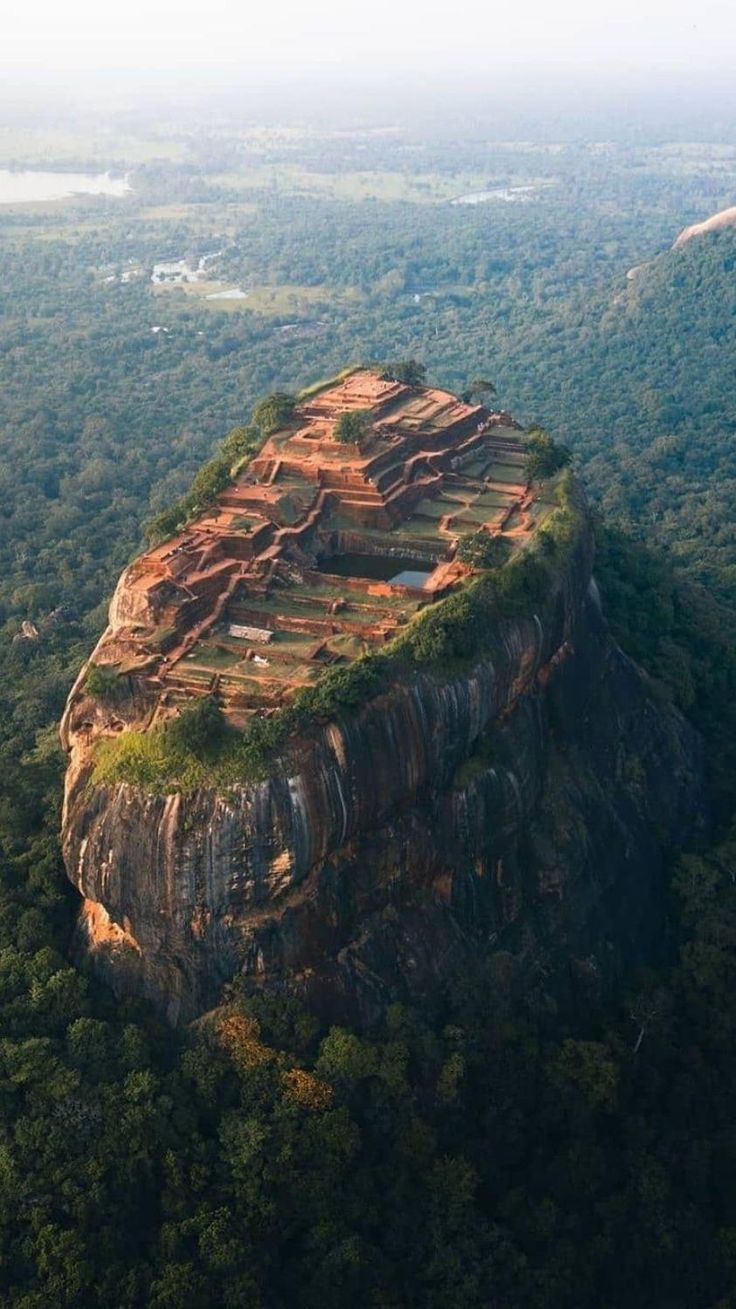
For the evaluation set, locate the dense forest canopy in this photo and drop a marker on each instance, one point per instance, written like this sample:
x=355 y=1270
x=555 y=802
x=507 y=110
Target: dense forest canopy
x=496 y=1151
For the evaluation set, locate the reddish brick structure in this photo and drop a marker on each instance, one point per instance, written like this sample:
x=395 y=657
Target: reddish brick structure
x=322 y=547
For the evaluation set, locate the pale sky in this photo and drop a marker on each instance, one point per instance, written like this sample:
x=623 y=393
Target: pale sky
x=275 y=37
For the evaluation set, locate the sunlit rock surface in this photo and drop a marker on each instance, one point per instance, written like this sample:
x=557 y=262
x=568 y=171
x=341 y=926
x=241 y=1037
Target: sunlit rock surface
x=716 y=223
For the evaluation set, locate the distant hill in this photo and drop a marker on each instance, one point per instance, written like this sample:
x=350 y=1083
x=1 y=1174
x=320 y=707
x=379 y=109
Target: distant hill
x=641 y=383
x=725 y=218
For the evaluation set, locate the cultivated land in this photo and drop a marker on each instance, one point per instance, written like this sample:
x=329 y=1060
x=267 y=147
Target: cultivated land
x=320 y=550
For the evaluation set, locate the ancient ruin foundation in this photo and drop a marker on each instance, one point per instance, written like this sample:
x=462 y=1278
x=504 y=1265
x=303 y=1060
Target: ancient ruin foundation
x=320 y=550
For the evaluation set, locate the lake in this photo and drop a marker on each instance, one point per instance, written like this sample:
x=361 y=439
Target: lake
x=22 y=187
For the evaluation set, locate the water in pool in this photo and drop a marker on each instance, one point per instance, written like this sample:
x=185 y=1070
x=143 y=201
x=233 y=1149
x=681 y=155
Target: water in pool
x=378 y=568
x=409 y=577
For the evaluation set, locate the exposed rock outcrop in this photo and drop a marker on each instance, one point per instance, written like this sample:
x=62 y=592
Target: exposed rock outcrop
x=524 y=805
x=716 y=223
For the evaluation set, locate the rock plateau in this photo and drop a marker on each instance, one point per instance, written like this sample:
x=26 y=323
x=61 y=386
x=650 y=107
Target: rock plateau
x=521 y=800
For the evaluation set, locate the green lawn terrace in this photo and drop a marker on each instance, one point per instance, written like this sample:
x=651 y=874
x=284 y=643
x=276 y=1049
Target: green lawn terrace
x=281 y=634
x=321 y=550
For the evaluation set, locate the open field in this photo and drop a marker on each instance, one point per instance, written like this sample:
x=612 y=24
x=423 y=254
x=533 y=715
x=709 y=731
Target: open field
x=267 y=300
x=38 y=147
x=415 y=187
x=199 y=213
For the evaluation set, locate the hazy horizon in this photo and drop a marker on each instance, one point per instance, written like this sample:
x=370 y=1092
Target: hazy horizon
x=613 y=44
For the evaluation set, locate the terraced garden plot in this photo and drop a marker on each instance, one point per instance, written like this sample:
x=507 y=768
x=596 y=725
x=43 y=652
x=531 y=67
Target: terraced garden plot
x=314 y=602
x=318 y=623
x=246 y=522
x=493 y=500
x=470 y=520
x=363 y=617
x=294 y=644
x=243 y=674
x=366 y=618
x=389 y=607
x=285 y=669
x=425 y=529
x=436 y=508
x=291 y=480
x=503 y=433
x=473 y=467
x=316 y=599
x=284 y=602
x=392 y=604
x=241 y=683
x=251 y=669
x=192 y=671
x=214 y=657
x=506 y=473
x=274 y=679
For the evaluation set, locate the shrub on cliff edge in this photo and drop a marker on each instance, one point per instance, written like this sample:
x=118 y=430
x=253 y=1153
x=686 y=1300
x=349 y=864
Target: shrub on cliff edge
x=199 y=728
x=102 y=681
x=544 y=456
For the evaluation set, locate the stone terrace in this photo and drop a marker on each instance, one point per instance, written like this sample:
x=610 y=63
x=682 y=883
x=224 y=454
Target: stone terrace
x=322 y=550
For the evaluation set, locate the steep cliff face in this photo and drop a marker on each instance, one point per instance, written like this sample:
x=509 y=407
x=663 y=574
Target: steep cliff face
x=522 y=806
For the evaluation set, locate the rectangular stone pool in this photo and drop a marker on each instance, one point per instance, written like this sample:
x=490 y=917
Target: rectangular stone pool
x=401 y=570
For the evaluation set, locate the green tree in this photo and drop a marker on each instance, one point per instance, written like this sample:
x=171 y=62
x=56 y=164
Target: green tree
x=352 y=426
x=588 y=1068
x=241 y=442
x=544 y=456
x=198 y=729
x=274 y=411
x=103 y=682
x=481 y=550
x=409 y=371
x=212 y=478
